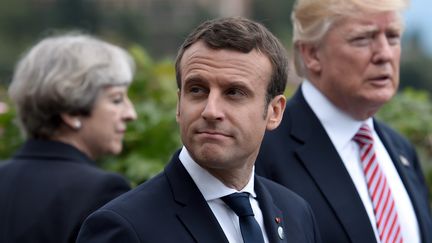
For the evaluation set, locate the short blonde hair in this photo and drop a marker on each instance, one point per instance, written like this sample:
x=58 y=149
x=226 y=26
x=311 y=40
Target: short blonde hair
x=312 y=19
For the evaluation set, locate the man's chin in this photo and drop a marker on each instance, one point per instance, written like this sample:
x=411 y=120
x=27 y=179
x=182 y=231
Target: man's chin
x=210 y=154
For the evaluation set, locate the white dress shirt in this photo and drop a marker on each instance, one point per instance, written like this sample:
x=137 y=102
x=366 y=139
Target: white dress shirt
x=213 y=189
x=341 y=129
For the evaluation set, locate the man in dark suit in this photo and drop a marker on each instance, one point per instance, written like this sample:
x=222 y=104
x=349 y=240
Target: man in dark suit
x=231 y=74
x=348 y=52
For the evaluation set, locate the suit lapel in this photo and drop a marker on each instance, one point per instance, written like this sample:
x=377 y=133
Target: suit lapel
x=194 y=212
x=325 y=166
x=270 y=213
x=395 y=156
x=411 y=187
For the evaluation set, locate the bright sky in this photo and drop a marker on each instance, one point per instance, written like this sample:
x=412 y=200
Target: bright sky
x=419 y=18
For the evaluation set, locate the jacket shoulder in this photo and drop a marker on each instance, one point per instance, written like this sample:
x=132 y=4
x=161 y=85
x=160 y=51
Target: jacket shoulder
x=282 y=194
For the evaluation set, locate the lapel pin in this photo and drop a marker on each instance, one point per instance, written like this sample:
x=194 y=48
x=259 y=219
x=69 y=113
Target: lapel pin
x=278 y=220
x=281 y=233
x=404 y=160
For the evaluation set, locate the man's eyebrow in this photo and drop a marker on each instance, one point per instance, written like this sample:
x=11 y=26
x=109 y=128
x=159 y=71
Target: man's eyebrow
x=366 y=29
x=396 y=27
x=194 y=79
x=370 y=29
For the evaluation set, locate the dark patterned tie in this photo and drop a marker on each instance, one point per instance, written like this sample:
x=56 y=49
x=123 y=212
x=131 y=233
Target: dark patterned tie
x=379 y=191
x=249 y=227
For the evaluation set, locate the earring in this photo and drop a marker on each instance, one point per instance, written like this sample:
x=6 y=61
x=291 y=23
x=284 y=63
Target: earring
x=77 y=124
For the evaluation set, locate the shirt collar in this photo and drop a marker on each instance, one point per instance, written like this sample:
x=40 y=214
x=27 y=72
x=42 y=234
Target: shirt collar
x=210 y=187
x=339 y=126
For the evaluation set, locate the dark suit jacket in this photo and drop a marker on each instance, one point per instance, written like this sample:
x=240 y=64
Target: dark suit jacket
x=170 y=208
x=301 y=156
x=47 y=190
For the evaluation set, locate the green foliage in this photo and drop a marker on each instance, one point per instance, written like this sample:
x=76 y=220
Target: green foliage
x=153 y=137
x=415 y=65
x=410 y=112
x=275 y=16
x=9 y=133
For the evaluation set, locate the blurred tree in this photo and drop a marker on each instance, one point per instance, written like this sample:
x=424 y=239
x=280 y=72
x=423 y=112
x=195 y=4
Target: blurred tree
x=10 y=137
x=275 y=15
x=22 y=22
x=415 y=65
x=79 y=14
x=153 y=137
x=410 y=112
x=15 y=28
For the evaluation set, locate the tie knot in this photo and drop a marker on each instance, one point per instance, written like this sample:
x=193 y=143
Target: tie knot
x=239 y=203
x=363 y=136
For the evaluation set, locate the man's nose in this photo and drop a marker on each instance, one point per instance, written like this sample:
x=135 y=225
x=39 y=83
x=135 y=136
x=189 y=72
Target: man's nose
x=213 y=109
x=383 y=50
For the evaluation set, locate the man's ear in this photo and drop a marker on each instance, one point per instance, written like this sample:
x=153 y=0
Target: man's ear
x=73 y=122
x=309 y=53
x=275 y=112
x=178 y=105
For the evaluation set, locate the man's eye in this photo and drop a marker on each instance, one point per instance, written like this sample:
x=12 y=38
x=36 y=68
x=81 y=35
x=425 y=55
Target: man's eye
x=236 y=92
x=393 y=38
x=361 y=40
x=196 y=89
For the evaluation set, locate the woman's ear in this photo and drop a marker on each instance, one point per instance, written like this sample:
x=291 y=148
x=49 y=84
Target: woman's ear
x=72 y=121
x=275 y=112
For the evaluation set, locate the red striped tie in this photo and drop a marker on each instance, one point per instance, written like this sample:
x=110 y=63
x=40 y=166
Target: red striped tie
x=379 y=191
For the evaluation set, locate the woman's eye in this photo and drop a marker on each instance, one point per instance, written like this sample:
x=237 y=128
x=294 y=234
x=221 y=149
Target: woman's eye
x=117 y=100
